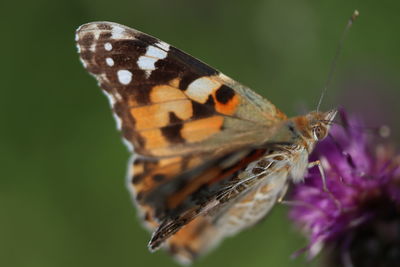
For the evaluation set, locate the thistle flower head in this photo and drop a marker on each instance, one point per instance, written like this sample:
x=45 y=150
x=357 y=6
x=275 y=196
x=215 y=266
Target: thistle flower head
x=358 y=218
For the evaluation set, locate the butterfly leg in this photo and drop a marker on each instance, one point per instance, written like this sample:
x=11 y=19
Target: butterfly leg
x=322 y=173
x=282 y=194
x=323 y=178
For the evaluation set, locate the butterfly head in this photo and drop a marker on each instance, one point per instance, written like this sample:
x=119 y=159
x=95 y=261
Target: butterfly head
x=305 y=130
x=314 y=126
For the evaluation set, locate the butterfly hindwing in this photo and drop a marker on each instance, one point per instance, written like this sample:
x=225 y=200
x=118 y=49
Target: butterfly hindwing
x=239 y=202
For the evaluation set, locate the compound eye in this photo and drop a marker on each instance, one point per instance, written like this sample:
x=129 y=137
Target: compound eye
x=319 y=132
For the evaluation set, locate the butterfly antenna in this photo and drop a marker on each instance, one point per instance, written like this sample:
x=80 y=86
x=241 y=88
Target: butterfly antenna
x=337 y=54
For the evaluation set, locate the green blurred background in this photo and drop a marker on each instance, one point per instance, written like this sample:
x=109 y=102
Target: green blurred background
x=63 y=200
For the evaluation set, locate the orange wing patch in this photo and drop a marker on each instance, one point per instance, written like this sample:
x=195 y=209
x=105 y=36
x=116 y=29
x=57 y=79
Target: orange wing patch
x=226 y=100
x=201 y=129
x=158 y=115
x=166 y=93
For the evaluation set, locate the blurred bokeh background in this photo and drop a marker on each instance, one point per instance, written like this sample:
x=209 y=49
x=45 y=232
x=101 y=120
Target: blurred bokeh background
x=63 y=200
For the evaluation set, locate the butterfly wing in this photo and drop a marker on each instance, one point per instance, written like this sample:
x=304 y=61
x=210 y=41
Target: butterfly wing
x=184 y=119
x=238 y=204
x=168 y=102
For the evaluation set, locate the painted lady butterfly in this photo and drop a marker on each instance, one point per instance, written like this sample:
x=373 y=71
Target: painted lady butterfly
x=211 y=157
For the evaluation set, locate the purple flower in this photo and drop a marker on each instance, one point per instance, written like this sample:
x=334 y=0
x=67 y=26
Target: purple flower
x=357 y=220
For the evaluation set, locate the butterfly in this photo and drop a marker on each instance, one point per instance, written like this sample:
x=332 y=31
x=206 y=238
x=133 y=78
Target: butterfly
x=210 y=156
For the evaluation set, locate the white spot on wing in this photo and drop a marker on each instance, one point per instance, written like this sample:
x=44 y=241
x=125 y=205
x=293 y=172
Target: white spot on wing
x=156 y=52
x=110 y=61
x=124 y=76
x=201 y=89
x=107 y=46
x=96 y=34
x=117 y=32
x=118 y=96
x=83 y=62
x=163 y=45
x=146 y=63
x=127 y=144
x=118 y=121
x=111 y=98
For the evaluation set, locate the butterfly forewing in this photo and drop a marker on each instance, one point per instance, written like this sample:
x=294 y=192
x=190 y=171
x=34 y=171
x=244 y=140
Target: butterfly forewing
x=169 y=102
